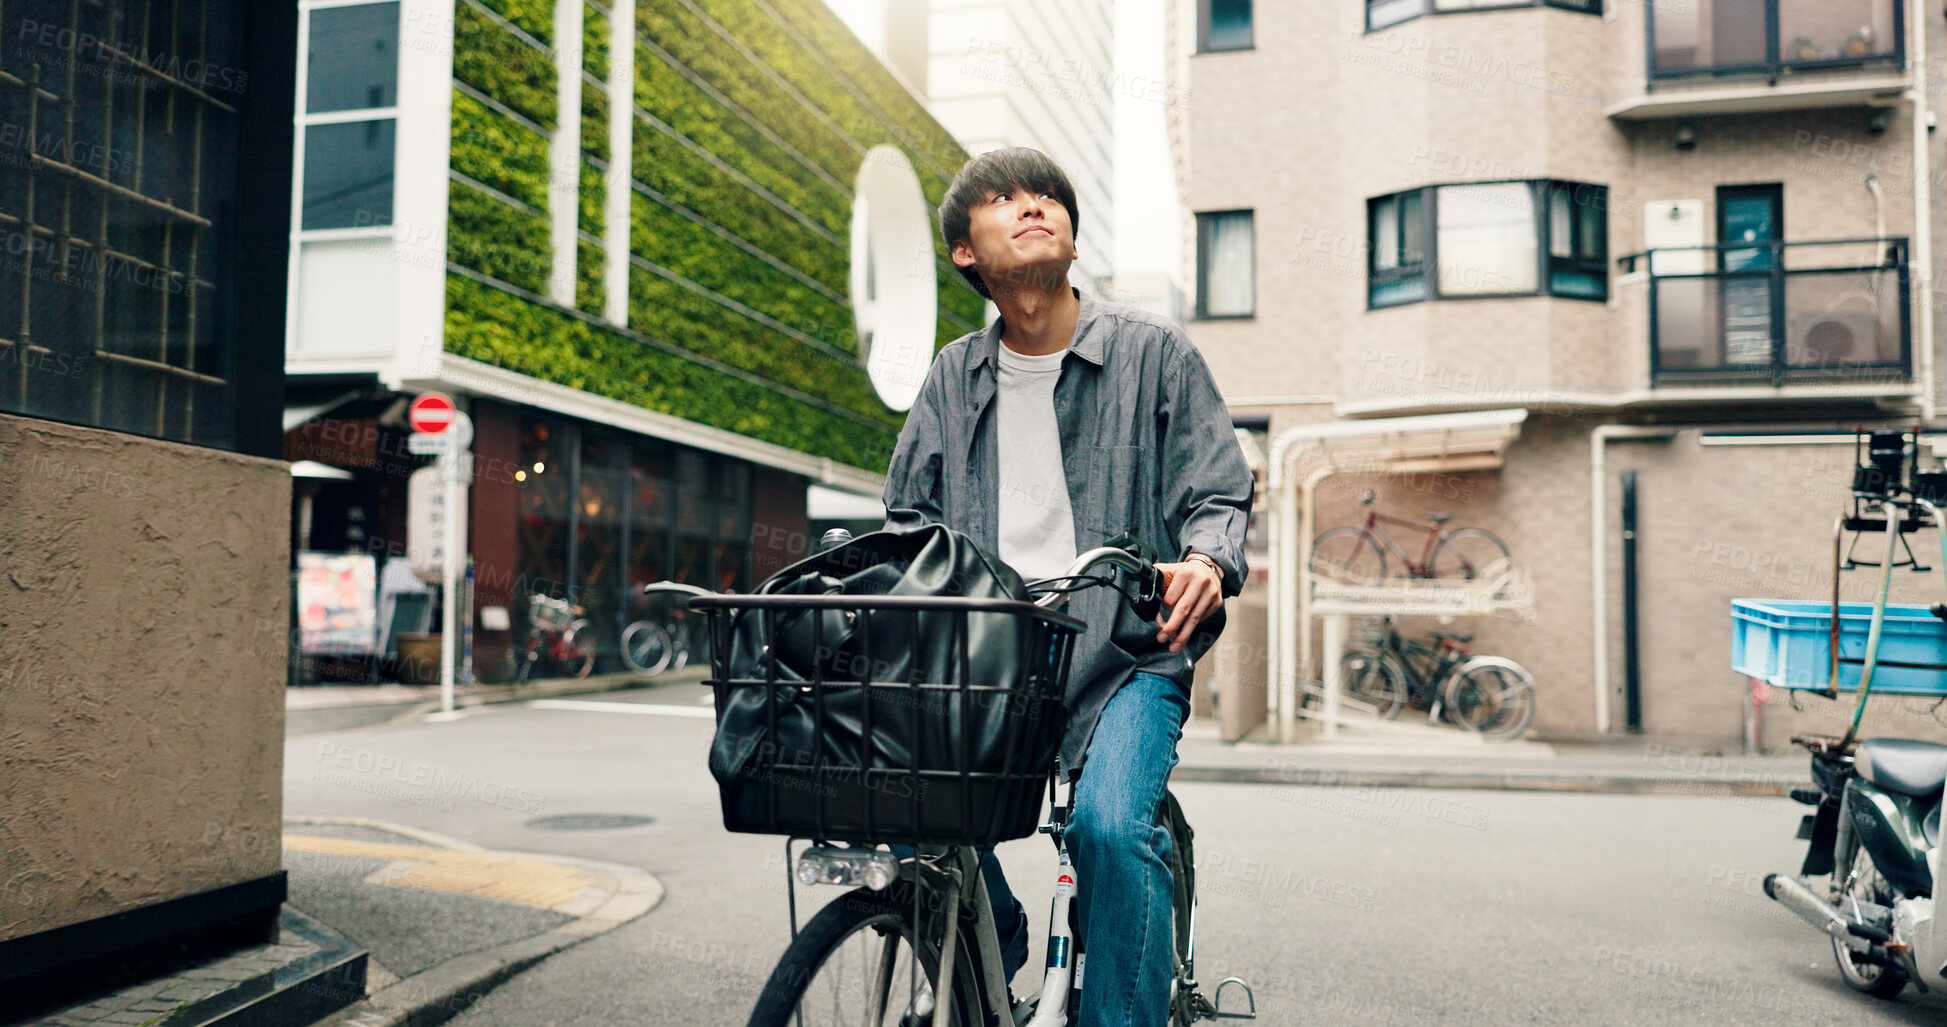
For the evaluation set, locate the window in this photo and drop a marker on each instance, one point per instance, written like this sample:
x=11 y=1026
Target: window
x=1397 y=228
x=1578 y=240
x=1488 y=239
x=1223 y=25
x=1226 y=265
x=142 y=214
x=351 y=96
x=1385 y=13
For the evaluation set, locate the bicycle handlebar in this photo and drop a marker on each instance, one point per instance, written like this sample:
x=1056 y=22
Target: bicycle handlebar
x=1148 y=579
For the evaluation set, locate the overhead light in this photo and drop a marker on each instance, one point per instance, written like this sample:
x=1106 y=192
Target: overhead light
x=1685 y=137
x=1881 y=120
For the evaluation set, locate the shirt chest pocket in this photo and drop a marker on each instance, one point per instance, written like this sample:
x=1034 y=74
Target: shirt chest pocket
x=1115 y=482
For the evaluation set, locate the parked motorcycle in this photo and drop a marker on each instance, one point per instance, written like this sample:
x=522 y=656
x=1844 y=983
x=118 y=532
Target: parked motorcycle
x=1876 y=828
x=1877 y=833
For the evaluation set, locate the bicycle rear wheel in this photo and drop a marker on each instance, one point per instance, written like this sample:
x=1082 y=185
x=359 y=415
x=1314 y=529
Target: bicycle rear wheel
x=646 y=648
x=852 y=964
x=1467 y=553
x=578 y=649
x=1348 y=555
x=1493 y=696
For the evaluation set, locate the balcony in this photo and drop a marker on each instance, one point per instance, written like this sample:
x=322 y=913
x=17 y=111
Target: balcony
x=1739 y=56
x=1834 y=313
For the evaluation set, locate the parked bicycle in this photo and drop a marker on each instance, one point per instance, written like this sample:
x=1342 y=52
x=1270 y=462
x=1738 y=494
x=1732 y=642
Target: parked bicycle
x=917 y=943
x=649 y=648
x=1358 y=555
x=558 y=634
x=1491 y=695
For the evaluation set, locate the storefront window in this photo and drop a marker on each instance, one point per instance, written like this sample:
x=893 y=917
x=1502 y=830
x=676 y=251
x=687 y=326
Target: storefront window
x=544 y=474
x=600 y=514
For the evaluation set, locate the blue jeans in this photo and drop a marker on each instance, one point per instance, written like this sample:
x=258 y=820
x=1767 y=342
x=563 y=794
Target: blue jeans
x=1121 y=859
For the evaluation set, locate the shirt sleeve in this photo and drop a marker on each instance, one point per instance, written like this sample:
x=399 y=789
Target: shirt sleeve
x=913 y=474
x=1207 y=487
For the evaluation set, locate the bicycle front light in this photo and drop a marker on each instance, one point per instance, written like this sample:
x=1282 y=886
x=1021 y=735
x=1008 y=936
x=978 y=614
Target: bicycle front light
x=872 y=868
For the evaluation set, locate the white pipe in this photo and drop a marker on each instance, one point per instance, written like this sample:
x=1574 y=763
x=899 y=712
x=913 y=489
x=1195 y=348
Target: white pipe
x=1879 y=217
x=1598 y=555
x=1918 y=26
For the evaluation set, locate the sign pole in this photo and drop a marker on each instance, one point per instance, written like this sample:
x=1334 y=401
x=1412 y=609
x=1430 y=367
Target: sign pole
x=455 y=467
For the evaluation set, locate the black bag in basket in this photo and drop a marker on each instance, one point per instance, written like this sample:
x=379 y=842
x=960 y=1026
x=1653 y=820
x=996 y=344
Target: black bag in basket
x=939 y=764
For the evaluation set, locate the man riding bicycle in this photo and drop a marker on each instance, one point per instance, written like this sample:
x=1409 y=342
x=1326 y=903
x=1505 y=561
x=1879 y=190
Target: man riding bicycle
x=1067 y=422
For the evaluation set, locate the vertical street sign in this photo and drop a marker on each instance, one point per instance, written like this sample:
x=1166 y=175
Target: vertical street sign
x=441 y=428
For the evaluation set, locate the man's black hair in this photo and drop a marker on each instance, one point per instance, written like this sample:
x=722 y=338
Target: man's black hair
x=1017 y=167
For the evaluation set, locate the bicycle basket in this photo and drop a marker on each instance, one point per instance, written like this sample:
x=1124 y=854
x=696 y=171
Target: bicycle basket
x=922 y=719
x=549 y=612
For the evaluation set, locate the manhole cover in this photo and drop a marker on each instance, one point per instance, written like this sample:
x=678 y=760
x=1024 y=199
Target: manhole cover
x=588 y=822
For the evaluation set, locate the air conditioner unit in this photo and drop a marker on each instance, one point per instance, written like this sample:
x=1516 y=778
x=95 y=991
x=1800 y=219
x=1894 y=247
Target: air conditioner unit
x=1835 y=338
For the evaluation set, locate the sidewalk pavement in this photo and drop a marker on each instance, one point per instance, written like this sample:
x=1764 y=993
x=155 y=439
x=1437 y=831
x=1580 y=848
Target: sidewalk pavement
x=446 y=921
x=385 y=926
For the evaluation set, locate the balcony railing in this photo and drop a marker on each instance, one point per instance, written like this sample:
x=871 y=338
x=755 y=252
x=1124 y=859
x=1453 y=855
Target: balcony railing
x=1773 y=37
x=1779 y=312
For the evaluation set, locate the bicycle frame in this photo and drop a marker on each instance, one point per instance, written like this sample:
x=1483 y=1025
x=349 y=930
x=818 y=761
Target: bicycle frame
x=1375 y=528
x=1427 y=668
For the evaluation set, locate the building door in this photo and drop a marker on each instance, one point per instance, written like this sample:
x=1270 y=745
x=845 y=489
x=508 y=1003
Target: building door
x=1748 y=214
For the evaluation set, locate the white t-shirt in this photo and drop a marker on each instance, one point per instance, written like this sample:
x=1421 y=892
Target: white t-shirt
x=1037 y=529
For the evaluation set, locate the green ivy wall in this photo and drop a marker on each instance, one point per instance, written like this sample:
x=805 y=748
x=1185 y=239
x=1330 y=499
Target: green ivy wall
x=750 y=119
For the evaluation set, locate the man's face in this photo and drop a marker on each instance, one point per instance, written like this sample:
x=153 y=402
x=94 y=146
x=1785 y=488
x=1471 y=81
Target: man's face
x=1019 y=238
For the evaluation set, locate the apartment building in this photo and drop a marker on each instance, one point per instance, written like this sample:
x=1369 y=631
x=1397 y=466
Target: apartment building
x=675 y=259
x=1684 y=243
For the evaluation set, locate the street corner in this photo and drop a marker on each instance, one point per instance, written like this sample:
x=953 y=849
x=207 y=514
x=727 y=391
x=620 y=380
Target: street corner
x=412 y=858
x=528 y=905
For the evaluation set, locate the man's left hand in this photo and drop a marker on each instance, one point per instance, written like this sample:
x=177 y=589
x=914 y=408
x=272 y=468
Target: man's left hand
x=1191 y=592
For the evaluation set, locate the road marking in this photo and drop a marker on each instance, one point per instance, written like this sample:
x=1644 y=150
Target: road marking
x=525 y=882
x=645 y=709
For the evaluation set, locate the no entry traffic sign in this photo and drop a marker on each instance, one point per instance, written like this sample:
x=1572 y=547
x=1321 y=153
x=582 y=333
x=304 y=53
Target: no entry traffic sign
x=431 y=413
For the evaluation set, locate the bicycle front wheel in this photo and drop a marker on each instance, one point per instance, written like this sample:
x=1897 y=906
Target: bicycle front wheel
x=1467 y=553
x=853 y=964
x=1493 y=696
x=646 y=648
x=1371 y=678
x=1348 y=555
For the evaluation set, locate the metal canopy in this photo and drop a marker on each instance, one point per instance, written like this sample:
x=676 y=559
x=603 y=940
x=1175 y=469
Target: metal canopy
x=1469 y=441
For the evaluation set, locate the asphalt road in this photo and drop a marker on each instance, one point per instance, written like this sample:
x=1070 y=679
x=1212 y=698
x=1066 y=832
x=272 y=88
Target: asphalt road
x=1340 y=906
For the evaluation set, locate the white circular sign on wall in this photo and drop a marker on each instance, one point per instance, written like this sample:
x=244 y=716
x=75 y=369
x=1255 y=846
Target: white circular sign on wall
x=895 y=294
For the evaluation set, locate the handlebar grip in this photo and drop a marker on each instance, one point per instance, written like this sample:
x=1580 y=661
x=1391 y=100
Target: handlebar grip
x=677 y=588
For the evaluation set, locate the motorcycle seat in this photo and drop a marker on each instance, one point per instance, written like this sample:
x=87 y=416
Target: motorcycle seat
x=1903 y=765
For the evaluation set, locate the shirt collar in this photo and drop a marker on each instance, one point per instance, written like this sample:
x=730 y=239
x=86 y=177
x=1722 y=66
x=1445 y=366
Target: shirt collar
x=1086 y=344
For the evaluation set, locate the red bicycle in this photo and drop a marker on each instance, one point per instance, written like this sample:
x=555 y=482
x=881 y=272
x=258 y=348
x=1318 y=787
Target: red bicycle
x=559 y=633
x=1357 y=556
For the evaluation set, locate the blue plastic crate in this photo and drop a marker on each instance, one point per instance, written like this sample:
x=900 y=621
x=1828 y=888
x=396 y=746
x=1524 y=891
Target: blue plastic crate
x=1786 y=643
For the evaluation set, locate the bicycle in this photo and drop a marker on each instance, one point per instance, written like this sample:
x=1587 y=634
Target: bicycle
x=1357 y=556
x=649 y=647
x=1490 y=695
x=926 y=917
x=557 y=631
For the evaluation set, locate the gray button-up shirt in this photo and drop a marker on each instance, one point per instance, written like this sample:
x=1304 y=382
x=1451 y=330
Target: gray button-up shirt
x=1147 y=448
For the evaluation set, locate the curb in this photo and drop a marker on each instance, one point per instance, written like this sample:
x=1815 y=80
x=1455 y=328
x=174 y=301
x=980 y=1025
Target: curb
x=1503 y=781
x=441 y=992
